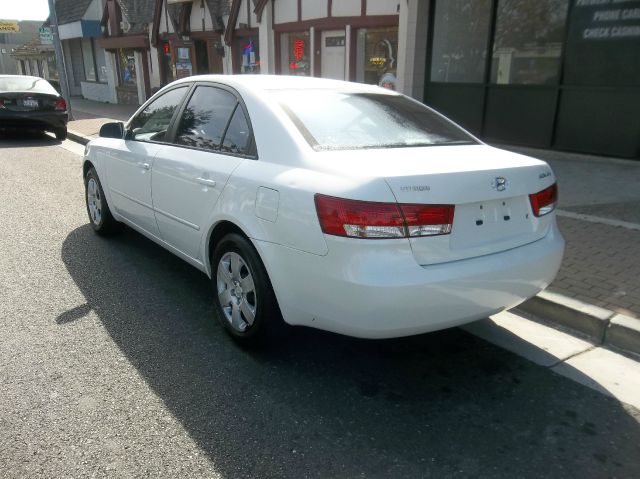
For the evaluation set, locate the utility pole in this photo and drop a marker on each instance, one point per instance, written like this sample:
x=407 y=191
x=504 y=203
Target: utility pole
x=57 y=44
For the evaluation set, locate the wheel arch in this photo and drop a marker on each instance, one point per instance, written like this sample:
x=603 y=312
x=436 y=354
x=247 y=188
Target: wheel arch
x=216 y=233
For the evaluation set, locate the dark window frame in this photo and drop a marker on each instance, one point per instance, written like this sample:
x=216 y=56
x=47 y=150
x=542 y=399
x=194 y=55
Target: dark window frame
x=171 y=132
x=129 y=132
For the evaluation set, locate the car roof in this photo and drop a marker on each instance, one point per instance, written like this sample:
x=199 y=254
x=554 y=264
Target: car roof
x=285 y=82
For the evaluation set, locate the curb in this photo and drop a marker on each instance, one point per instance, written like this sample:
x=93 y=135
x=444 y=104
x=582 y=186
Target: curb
x=77 y=137
x=600 y=325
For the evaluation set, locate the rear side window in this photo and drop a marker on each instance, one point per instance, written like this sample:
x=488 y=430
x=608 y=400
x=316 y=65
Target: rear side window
x=205 y=118
x=151 y=123
x=335 y=120
x=238 y=135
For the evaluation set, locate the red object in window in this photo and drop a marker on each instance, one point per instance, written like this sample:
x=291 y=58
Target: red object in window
x=166 y=48
x=298 y=49
x=293 y=66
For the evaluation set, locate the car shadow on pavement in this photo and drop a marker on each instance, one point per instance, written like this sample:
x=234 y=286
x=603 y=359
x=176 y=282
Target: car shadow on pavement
x=324 y=405
x=25 y=138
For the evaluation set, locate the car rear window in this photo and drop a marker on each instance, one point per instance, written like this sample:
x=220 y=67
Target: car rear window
x=334 y=120
x=26 y=84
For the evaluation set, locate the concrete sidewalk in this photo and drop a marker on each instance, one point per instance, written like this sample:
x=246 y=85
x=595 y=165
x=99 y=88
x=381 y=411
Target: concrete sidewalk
x=597 y=290
x=89 y=116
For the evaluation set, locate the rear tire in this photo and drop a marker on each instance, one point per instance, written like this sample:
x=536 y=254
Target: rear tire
x=100 y=216
x=61 y=134
x=245 y=302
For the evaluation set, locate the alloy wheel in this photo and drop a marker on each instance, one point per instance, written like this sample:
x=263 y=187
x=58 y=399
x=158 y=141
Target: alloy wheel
x=236 y=291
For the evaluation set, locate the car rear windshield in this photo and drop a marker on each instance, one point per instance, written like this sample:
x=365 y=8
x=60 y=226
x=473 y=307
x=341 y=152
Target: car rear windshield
x=334 y=120
x=26 y=84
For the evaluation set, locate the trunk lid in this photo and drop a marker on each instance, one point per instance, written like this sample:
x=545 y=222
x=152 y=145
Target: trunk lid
x=26 y=102
x=489 y=187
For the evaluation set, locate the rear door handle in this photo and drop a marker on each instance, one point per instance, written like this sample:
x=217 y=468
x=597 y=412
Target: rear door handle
x=144 y=166
x=206 y=181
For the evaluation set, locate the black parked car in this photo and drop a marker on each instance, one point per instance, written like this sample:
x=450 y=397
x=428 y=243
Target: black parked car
x=32 y=103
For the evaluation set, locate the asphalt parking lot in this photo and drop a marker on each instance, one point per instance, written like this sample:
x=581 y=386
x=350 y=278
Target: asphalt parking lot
x=111 y=365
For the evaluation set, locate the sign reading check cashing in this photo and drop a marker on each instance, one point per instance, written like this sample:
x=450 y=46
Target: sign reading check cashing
x=9 y=26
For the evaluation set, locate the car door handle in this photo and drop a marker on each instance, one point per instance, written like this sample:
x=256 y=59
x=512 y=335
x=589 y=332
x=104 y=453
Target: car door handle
x=144 y=166
x=206 y=181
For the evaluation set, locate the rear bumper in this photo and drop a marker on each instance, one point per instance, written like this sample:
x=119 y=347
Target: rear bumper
x=35 y=120
x=379 y=291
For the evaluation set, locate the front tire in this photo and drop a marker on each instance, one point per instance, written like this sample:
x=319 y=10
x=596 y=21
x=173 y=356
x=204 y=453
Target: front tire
x=245 y=302
x=100 y=216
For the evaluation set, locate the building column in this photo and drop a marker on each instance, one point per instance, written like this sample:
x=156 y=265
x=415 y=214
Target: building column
x=140 y=70
x=112 y=75
x=412 y=47
x=267 y=42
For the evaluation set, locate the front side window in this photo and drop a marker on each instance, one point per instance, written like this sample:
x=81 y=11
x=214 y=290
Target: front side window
x=205 y=118
x=335 y=120
x=152 y=123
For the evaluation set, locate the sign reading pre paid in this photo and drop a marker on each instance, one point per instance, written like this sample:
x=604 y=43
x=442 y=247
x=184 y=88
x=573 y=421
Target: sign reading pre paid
x=9 y=26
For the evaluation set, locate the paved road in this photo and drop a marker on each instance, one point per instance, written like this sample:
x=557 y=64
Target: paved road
x=110 y=365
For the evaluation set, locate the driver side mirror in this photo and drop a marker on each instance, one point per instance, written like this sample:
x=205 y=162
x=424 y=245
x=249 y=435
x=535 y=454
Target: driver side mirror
x=112 y=130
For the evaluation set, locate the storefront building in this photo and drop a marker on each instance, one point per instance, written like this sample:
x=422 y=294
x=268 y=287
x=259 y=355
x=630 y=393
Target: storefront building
x=125 y=25
x=187 y=38
x=79 y=28
x=354 y=40
x=561 y=74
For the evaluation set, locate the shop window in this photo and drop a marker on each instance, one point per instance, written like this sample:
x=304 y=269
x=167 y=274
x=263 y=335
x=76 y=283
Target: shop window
x=528 y=41
x=603 y=44
x=295 y=58
x=126 y=67
x=87 y=59
x=460 y=33
x=247 y=55
x=377 y=56
x=101 y=65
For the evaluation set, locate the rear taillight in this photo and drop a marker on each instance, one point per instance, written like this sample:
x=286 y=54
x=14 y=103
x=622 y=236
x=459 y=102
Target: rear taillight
x=368 y=219
x=544 y=202
x=61 y=105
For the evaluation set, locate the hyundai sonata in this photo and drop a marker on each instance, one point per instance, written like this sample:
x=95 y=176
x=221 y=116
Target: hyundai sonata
x=329 y=204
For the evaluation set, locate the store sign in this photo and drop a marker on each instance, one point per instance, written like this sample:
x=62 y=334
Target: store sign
x=334 y=42
x=10 y=26
x=298 y=49
x=46 y=35
x=608 y=19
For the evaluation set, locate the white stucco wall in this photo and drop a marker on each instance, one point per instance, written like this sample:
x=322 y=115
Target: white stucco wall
x=385 y=7
x=286 y=11
x=94 y=11
x=96 y=91
x=267 y=43
x=346 y=8
x=250 y=20
x=197 y=14
x=154 y=68
x=313 y=9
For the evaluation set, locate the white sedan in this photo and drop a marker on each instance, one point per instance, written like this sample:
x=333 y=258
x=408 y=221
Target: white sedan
x=329 y=204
